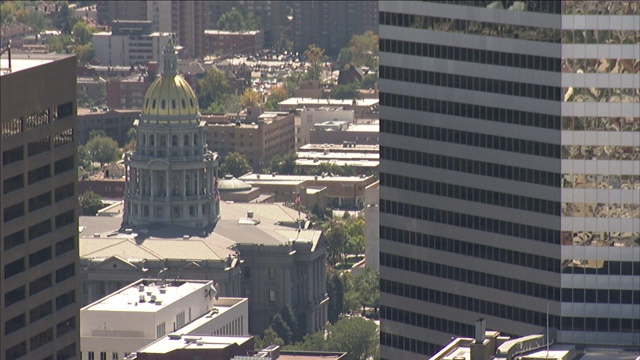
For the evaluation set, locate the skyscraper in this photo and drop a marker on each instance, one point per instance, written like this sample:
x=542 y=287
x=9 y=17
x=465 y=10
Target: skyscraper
x=510 y=171
x=39 y=304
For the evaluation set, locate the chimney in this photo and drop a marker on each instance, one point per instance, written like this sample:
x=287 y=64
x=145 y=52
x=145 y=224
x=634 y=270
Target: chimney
x=480 y=329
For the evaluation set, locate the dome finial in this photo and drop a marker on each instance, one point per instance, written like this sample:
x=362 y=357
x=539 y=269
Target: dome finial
x=170 y=58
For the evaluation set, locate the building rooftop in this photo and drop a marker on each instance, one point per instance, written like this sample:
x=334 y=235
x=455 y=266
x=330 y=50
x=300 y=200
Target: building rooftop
x=23 y=61
x=149 y=296
x=101 y=238
x=329 y=102
x=173 y=342
x=224 y=32
x=257 y=178
x=364 y=127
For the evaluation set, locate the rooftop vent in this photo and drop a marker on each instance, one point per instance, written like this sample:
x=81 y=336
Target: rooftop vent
x=174 y=336
x=250 y=214
x=185 y=237
x=96 y=235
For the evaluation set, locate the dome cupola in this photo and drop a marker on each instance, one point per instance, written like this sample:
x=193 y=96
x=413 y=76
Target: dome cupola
x=170 y=98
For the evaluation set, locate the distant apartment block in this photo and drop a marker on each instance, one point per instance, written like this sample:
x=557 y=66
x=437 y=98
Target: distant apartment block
x=362 y=158
x=186 y=19
x=39 y=287
x=114 y=122
x=257 y=135
x=311 y=116
x=148 y=309
x=129 y=43
x=336 y=132
x=232 y=42
x=331 y=24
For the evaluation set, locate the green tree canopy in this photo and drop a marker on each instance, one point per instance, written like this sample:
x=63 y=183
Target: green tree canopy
x=281 y=328
x=82 y=33
x=344 y=58
x=335 y=290
x=354 y=231
x=234 y=20
x=212 y=88
x=367 y=287
x=65 y=19
x=250 y=98
x=291 y=320
x=356 y=336
x=269 y=337
x=285 y=165
x=84 y=53
x=235 y=164
x=315 y=58
x=35 y=19
x=347 y=91
x=90 y=203
x=103 y=149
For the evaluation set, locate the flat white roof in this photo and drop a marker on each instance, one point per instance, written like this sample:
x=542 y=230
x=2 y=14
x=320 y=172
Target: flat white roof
x=129 y=298
x=195 y=342
x=21 y=64
x=326 y=102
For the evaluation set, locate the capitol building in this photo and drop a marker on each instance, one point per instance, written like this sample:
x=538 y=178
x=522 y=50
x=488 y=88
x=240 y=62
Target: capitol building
x=172 y=226
x=171 y=175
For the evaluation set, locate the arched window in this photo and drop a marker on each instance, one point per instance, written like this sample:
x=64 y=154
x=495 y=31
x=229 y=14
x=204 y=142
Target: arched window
x=174 y=140
x=143 y=139
x=173 y=103
x=163 y=104
x=186 y=140
x=195 y=139
x=184 y=104
x=163 y=140
x=152 y=140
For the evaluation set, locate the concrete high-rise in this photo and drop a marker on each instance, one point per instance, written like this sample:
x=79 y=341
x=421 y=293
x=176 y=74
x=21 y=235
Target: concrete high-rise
x=510 y=171
x=39 y=305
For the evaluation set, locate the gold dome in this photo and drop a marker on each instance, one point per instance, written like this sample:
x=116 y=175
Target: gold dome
x=170 y=95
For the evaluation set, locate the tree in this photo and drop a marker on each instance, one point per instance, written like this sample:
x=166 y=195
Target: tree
x=235 y=164
x=365 y=49
x=276 y=95
x=335 y=290
x=234 y=20
x=336 y=243
x=132 y=136
x=354 y=231
x=35 y=19
x=84 y=53
x=290 y=319
x=344 y=58
x=59 y=43
x=281 y=328
x=367 y=287
x=347 y=91
x=356 y=336
x=249 y=98
x=103 y=149
x=369 y=81
x=90 y=203
x=65 y=19
x=84 y=159
x=315 y=57
x=285 y=165
x=269 y=337
x=212 y=88
x=82 y=33
x=7 y=12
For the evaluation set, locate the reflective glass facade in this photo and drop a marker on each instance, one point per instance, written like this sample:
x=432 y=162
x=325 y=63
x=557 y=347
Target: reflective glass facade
x=510 y=171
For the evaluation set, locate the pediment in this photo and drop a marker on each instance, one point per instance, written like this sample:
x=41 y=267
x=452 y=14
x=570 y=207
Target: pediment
x=115 y=263
x=192 y=266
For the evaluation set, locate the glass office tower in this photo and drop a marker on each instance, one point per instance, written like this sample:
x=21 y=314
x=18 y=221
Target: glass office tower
x=510 y=171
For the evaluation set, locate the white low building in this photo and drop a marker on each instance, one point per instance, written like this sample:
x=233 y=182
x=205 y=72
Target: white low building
x=148 y=309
